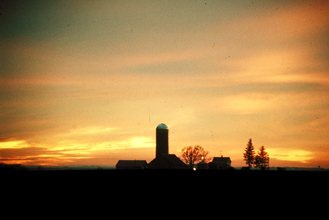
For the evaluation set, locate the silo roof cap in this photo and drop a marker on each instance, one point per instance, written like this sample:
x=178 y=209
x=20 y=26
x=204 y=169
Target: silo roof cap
x=162 y=126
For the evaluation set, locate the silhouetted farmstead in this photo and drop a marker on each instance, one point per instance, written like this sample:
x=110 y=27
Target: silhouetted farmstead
x=164 y=160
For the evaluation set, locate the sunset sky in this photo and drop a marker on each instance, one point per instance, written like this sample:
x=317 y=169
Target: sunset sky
x=87 y=82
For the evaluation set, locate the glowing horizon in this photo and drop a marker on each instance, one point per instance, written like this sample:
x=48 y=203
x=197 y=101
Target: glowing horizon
x=87 y=82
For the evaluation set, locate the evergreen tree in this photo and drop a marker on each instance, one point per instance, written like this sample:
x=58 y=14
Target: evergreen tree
x=262 y=158
x=249 y=155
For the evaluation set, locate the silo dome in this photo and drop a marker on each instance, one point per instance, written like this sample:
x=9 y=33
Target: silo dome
x=162 y=126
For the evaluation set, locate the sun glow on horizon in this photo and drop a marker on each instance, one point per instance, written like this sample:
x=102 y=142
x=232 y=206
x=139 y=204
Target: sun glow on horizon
x=290 y=155
x=13 y=144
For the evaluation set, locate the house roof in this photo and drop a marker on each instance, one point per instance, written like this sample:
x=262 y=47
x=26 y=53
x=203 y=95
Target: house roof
x=221 y=160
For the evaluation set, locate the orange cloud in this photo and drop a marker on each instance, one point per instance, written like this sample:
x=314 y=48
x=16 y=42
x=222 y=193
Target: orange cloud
x=291 y=154
x=285 y=23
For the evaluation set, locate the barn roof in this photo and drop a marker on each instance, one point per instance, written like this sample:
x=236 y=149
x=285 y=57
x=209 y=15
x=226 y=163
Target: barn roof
x=168 y=161
x=131 y=164
x=173 y=159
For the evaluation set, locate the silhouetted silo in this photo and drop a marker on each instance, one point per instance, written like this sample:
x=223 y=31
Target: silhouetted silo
x=161 y=140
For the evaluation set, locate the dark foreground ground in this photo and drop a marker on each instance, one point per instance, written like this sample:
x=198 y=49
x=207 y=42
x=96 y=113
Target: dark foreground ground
x=145 y=188
x=143 y=176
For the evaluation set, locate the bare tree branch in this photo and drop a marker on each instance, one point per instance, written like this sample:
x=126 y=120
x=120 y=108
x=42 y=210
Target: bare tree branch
x=191 y=155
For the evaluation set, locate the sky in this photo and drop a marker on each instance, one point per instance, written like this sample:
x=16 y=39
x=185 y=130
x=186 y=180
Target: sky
x=87 y=82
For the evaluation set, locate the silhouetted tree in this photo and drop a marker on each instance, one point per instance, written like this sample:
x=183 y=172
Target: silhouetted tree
x=262 y=158
x=249 y=155
x=191 y=155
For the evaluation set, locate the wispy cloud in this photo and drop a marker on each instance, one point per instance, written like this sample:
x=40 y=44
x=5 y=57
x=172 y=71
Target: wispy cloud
x=91 y=83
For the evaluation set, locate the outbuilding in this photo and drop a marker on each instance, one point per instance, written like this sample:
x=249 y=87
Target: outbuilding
x=220 y=163
x=131 y=165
